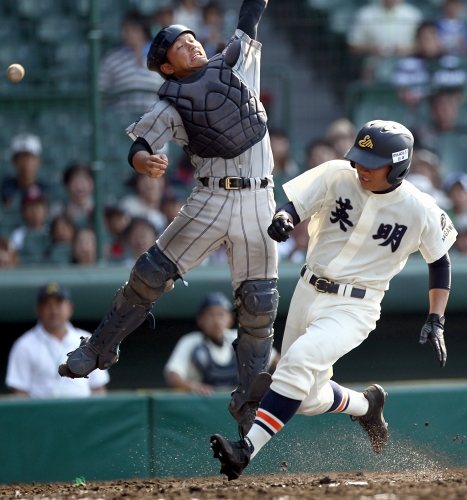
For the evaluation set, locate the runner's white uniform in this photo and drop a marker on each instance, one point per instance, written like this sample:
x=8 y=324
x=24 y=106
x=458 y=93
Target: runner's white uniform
x=214 y=216
x=359 y=239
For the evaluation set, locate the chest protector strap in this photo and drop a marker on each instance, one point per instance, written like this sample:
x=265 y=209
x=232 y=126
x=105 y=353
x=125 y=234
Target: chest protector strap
x=222 y=117
x=213 y=373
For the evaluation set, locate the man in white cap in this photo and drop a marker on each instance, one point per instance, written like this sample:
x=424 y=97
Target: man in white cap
x=26 y=150
x=34 y=357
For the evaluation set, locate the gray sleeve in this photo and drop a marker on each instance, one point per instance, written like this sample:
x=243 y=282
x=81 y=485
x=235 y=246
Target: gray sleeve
x=158 y=126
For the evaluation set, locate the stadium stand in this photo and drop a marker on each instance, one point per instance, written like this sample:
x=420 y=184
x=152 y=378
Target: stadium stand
x=51 y=40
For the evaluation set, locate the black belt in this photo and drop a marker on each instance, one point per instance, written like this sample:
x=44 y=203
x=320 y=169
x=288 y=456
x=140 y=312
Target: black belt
x=323 y=285
x=230 y=183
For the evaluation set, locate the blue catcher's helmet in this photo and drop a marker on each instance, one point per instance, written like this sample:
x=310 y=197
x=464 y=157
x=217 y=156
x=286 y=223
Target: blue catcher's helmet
x=161 y=44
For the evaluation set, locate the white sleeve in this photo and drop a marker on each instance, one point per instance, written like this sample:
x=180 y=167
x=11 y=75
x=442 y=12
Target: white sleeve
x=438 y=235
x=308 y=191
x=98 y=378
x=248 y=64
x=180 y=359
x=17 y=237
x=19 y=373
x=159 y=125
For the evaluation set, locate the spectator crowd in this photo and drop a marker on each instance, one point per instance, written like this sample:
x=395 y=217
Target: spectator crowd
x=42 y=223
x=422 y=55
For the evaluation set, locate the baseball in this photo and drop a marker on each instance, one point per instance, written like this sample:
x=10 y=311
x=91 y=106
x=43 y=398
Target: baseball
x=15 y=72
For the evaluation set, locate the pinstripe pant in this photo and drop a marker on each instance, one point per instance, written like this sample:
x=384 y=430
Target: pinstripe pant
x=237 y=218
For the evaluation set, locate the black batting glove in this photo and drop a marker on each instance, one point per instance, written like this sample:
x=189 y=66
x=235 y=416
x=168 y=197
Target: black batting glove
x=433 y=331
x=280 y=228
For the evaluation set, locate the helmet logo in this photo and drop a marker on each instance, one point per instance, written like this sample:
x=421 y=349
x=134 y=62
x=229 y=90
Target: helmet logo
x=366 y=142
x=400 y=156
x=52 y=288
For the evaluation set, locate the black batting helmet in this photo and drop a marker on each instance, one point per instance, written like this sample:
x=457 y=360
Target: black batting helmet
x=380 y=143
x=162 y=43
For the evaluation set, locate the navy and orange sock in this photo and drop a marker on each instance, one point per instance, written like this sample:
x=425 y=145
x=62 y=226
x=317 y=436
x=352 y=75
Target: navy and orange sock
x=347 y=401
x=273 y=413
x=341 y=398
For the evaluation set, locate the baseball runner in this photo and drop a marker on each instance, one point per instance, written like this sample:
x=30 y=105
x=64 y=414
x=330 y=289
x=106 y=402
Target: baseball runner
x=212 y=109
x=365 y=222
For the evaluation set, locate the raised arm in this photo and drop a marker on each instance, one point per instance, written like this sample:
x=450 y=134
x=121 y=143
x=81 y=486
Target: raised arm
x=250 y=16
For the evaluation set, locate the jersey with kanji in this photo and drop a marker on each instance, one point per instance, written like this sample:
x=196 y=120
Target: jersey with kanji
x=362 y=238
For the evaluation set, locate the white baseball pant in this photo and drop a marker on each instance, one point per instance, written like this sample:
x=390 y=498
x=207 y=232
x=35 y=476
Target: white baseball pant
x=320 y=329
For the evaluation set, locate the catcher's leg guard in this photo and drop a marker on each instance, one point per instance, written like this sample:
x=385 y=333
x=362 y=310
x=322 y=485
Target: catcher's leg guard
x=256 y=306
x=130 y=306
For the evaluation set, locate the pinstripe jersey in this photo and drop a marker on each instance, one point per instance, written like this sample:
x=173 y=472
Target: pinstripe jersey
x=162 y=123
x=214 y=216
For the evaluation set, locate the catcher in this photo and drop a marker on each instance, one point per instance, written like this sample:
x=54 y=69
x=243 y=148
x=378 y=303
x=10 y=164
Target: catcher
x=212 y=109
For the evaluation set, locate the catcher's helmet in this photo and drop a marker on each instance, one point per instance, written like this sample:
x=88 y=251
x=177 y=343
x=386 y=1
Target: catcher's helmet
x=162 y=43
x=380 y=143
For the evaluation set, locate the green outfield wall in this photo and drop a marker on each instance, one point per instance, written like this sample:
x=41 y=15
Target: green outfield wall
x=160 y=434
x=94 y=287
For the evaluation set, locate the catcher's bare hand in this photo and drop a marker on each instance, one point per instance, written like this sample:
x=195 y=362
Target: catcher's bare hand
x=433 y=331
x=280 y=227
x=156 y=165
x=151 y=165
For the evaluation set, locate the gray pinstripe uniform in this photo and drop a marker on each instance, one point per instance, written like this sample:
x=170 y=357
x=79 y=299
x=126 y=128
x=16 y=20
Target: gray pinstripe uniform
x=213 y=215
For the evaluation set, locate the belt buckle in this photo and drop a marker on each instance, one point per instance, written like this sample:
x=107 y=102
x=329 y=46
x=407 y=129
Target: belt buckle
x=228 y=185
x=316 y=285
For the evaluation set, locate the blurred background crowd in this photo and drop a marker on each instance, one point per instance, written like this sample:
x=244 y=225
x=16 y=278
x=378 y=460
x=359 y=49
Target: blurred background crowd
x=328 y=67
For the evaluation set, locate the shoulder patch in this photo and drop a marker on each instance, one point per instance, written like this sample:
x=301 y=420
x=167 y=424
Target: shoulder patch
x=443 y=221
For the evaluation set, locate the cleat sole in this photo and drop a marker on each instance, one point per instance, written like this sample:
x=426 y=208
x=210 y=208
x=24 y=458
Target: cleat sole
x=64 y=371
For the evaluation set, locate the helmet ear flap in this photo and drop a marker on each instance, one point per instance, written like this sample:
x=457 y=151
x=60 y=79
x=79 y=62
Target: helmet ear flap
x=161 y=44
x=396 y=179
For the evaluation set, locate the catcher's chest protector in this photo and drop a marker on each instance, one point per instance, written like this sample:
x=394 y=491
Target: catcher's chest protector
x=222 y=117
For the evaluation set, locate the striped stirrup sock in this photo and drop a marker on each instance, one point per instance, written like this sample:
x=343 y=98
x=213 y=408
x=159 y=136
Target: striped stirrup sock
x=347 y=401
x=273 y=413
x=341 y=398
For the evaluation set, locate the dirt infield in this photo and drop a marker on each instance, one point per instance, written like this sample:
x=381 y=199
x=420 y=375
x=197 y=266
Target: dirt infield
x=446 y=484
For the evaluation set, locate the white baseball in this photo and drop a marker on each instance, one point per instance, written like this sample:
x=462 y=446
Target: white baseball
x=15 y=72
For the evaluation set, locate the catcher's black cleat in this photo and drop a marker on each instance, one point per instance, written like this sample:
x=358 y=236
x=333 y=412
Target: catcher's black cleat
x=85 y=359
x=234 y=456
x=245 y=412
x=373 y=421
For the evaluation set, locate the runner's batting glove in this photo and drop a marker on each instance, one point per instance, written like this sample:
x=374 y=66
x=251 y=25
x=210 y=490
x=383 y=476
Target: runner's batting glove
x=433 y=331
x=280 y=228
